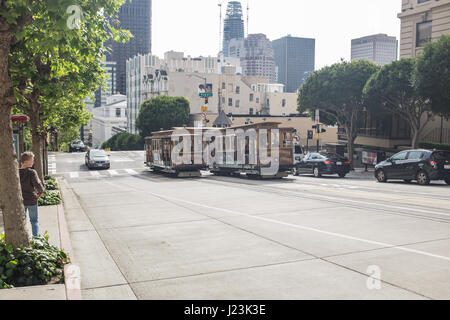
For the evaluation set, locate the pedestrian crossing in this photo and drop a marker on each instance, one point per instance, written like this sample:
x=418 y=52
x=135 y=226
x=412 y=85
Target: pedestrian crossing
x=101 y=174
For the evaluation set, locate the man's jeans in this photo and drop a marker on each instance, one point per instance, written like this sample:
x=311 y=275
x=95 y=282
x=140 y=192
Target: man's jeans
x=33 y=212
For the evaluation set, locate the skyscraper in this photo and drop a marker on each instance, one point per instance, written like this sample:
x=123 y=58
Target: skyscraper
x=379 y=48
x=135 y=16
x=233 y=25
x=258 y=57
x=295 y=58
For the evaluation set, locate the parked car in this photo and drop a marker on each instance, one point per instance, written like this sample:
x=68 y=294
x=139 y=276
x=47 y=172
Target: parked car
x=420 y=165
x=77 y=146
x=320 y=164
x=97 y=159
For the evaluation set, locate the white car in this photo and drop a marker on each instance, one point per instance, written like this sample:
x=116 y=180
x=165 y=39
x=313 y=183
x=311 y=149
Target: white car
x=77 y=146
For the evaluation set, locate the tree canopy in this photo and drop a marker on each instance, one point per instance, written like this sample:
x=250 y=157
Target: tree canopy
x=433 y=74
x=162 y=112
x=337 y=91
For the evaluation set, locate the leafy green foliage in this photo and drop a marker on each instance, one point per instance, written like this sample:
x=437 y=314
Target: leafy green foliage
x=432 y=146
x=392 y=89
x=50 y=198
x=124 y=142
x=162 y=112
x=50 y=184
x=39 y=264
x=433 y=74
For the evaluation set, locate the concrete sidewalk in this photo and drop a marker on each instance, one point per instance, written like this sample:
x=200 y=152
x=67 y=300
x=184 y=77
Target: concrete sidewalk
x=48 y=221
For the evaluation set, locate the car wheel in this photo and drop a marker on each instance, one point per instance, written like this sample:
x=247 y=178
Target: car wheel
x=342 y=175
x=447 y=181
x=295 y=171
x=381 y=176
x=317 y=173
x=422 y=178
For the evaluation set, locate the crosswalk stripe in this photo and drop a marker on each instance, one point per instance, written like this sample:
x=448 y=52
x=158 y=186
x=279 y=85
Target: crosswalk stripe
x=130 y=171
x=113 y=172
x=95 y=173
x=74 y=175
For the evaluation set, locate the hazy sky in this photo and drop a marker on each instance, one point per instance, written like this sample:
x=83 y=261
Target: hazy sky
x=192 y=26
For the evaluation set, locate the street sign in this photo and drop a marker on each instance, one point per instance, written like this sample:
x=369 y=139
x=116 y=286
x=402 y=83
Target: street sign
x=204 y=115
x=205 y=109
x=297 y=137
x=205 y=90
x=310 y=134
x=317 y=116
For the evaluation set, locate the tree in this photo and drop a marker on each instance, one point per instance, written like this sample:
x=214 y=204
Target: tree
x=17 y=20
x=392 y=88
x=337 y=91
x=432 y=75
x=124 y=142
x=162 y=112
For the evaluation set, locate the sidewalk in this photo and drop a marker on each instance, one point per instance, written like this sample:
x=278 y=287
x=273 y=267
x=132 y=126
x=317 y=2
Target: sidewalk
x=48 y=221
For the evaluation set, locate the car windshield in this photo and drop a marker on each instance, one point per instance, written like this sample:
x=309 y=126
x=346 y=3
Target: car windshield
x=98 y=154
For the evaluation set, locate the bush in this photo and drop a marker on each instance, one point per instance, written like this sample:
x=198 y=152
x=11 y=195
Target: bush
x=40 y=264
x=50 y=184
x=437 y=146
x=124 y=142
x=50 y=198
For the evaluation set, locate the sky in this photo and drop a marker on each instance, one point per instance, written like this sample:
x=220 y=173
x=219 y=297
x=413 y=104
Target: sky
x=192 y=26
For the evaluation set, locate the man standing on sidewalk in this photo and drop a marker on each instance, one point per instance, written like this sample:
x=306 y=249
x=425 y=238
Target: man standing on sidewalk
x=32 y=190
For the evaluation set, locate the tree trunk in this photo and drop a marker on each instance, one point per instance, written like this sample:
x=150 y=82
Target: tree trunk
x=415 y=138
x=351 y=137
x=37 y=145
x=11 y=201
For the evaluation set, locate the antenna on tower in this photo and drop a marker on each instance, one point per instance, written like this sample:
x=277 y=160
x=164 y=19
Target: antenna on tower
x=248 y=11
x=220 y=25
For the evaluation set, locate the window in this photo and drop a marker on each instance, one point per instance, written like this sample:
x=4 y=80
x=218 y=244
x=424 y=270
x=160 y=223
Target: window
x=238 y=102
x=257 y=100
x=251 y=111
x=223 y=86
x=423 y=34
x=283 y=103
x=252 y=96
x=415 y=155
x=230 y=102
x=400 y=156
x=118 y=112
x=422 y=1
x=238 y=90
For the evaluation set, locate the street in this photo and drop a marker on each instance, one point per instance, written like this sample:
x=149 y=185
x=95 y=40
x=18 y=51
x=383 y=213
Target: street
x=139 y=235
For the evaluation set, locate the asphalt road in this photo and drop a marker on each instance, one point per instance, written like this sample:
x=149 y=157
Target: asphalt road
x=138 y=235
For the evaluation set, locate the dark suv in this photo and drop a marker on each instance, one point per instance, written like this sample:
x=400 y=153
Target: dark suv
x=420 y=165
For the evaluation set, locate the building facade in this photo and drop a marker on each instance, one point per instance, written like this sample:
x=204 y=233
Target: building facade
x=295 y=59
x=233 y=27
x=258 y=58
x=109 y=89
x=423 y=21
x=109 y=119
x=379 y=48
x=135 y=16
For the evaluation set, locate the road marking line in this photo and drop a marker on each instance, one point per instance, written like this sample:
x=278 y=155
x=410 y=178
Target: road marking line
x=113 y=172
x=95 y=174
x=74 y=175
x=339 y=235
x=131 y=171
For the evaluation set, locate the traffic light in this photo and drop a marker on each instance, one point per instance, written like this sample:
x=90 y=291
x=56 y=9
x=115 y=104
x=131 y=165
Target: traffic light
x=323 y=130
x=314 y=127
x=310 y=134
x=206 y=100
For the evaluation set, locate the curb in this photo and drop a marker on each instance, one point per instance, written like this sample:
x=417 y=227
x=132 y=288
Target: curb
x=72 y=274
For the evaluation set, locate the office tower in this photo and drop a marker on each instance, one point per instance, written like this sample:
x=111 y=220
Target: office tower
x=258 y=58
x=379 y=48
x=111 y=83
x=135 y=16
x=295 y=59
x=233 y=25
